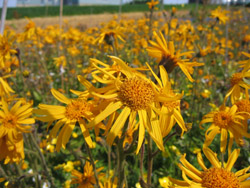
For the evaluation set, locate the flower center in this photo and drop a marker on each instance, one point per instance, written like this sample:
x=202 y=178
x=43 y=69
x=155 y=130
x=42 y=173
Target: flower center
x=169 y=62
x=77 y=109
x=136 y=93
x=222 y=119
x=172 y=104
x=236 y=78
x=10 y=121
x=219 y=178
x=243 y=106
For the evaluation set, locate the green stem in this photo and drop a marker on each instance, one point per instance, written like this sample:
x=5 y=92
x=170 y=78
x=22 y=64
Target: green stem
x=222 y=160
x=2 y=172
x=165 y=141
x=93 y=164
x=120 y=163
x=47 y=171
x=150 y=161
x=109 y=160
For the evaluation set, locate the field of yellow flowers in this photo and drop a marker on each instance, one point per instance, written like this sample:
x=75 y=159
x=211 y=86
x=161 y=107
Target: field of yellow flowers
x=160 y=101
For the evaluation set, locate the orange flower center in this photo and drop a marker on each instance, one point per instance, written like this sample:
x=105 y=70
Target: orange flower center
x=136 y=93
x=219 y=178
x=243 y=105
x=77 y=109
x=10 y=121
x=222 y=119
x=172 y=105
x=236 y=78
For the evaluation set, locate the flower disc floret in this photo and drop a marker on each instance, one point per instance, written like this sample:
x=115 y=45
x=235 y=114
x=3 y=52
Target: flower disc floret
x=10 y=121
x=219 y=178
x=136 y=93
x=222 y=119
x=236 y=78
x=172 y=104
x=77 y=109
x=243 y=105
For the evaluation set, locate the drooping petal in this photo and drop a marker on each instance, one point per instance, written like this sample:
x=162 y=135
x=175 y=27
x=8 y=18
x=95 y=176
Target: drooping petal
x=118 y=125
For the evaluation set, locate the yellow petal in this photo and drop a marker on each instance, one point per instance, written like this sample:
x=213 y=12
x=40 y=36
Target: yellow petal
x=112 y=107
x=86 y=134
x=141 y=133
x=190 y=174
x=223 y=140
x=190 y=166
x=232 y=158
x=118 y=125
x=60 y=96
x=211 y=157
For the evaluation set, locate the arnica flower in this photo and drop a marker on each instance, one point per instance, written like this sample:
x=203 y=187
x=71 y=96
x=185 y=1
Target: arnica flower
x=87 y=178
x=60 y=61
x=225 y=120
x=166 y=55
x=135 y=95
x=220 y=15
x=220 y=175
x=13 y=123
x=76 y=111
x=170 y=110
x=238 y=83
x=5 y=50
x=245 y=63
x=165 y=182
x=109 y=183
x=5 y=89
x=110 y=36
x=152 y=4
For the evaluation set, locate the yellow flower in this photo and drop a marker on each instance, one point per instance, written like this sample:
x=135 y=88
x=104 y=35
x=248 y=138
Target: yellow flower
x=87 y=178
x=69 y=166
x=109 y=183
x=5 y=89
x=67 y=184
x=110 y=36
x=135 y=95
x=245 y=63
x=220 y=15
x=225 y=120
x=237 y=84
x=152 y=4
x=77 y=110
x=206 y=93
x=11 y=128
x=5 y=50
x=60 y=61
x=170 y=110
x=217 y=176
x=165 y=182
x=169 y=58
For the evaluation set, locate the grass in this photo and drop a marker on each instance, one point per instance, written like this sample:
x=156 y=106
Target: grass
x=42 y=11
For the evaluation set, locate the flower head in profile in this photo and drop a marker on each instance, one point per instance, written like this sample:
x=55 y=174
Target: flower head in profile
x=170 y=110
x=110 y=36
x=225 y=121
x=76 y=111
x=220 y=15
x=239 y=84
x=166 y=55
x=87 y=178
x=14 y=122
x=220 y=175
